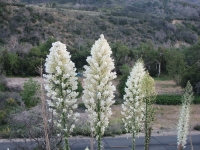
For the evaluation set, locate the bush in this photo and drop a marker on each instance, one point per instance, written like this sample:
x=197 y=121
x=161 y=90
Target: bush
x=168 y=99
x=191 y=74
x=3 y=115
x=29 y=93
x=115 y=127
x=4 y=96
x=173 y=99
x=2 y=83
x=79 y=89
x=197 y=127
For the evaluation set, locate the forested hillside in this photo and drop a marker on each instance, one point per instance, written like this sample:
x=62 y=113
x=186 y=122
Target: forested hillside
x=134 y=28
x=164 y=22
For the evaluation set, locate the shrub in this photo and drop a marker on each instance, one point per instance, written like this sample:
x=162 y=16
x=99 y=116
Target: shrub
x=29 y=93
x=3 y=115
x=192 y=74
x=197 y=127
x=7 y=95
x=5 y=132
x=173 y=99
x=168 y=99
x=2 y=83
x=79 y=89
x=81 y=105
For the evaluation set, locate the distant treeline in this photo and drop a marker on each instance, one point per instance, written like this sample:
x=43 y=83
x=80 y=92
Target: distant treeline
x=180 y=64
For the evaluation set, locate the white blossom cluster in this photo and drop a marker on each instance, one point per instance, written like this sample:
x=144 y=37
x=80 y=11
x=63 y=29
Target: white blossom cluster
x=133 y=107
x=98 y=89
x=60 y=84
x=183 y=123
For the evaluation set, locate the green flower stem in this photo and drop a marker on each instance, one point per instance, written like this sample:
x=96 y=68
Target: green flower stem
x=65 y=133
x=133 y=144
x=99 y=127
x=146 y=126
x=64 y=120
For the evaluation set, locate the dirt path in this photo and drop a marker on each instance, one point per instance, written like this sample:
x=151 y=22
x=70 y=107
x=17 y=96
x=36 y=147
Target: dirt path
x=15 y=83
x=168 y=87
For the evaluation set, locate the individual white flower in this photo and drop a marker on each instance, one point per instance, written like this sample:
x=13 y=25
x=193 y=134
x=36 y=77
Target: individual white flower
x=98 y=88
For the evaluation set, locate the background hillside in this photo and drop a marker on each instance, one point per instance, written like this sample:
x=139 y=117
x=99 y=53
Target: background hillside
x=26 y=23
x=152 y=29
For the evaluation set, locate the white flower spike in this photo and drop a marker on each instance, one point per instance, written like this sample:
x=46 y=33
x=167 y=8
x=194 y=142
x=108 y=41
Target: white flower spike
x=60 y=84
x=98 y=89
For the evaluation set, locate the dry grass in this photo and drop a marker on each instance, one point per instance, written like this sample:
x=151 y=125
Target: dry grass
x=168 y=87
x=166 y=116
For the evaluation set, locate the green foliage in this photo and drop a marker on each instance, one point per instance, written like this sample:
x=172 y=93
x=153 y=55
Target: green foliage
x=168 y=99
x=79 y=57
x=29 y=93
x=115 y=127
x=81 y=105
x=10 y=62
x=120 y=54
x=3 y=115
x=192 y=74
x=80 y=88
x=2 y=83
x=192 y=54
x=125 y=69
x=22 y=64
x=4 y=131
x=173 y=99
x=175 y=64
x=9 y=102
x=197 y=127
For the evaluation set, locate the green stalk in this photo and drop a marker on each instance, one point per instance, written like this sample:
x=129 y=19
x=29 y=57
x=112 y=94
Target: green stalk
x=146 y=125
x=99 y=128
x=133 y=146
x=64 y=122
x=65 y=133
x=146 y=130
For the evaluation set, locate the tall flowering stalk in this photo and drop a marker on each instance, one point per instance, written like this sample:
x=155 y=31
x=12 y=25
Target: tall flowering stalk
x=148 y=88
x=183 y=123
x=133 y=106
x=61 y=84
x=98 y=89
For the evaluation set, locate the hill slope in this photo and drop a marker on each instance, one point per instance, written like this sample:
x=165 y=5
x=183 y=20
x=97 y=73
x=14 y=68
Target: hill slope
x=165 y=22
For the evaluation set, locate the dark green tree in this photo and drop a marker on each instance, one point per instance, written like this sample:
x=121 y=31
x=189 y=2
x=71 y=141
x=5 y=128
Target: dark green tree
x=192 y=54
x=175 y=64
x=120 y=54
x=192 y=74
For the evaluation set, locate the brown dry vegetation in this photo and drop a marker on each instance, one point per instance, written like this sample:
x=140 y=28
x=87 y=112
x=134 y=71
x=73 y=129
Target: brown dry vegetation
x=166 y=117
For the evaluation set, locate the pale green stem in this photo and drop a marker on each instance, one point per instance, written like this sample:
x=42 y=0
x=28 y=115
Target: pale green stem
x=64 y=121
x=146 y=127
x=133 y=145
x=99 y=128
